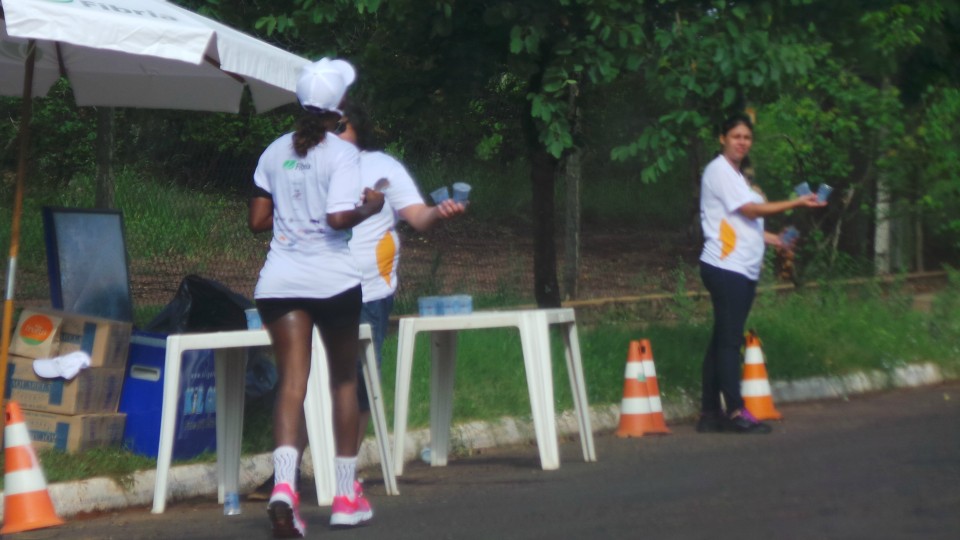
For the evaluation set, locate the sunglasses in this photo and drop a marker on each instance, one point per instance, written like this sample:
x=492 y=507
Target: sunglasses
x=340 y=127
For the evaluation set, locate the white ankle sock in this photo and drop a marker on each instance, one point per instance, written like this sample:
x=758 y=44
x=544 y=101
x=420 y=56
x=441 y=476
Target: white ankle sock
x=285 y=466
x=346 y=470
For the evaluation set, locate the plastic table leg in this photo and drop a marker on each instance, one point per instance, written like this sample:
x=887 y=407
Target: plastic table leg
x=371 y=377
x=230 y=366
x=578 y=387
x=318 y=412
x=536 y=357
x=405 y=348
x=168 y=422
x=443 y=368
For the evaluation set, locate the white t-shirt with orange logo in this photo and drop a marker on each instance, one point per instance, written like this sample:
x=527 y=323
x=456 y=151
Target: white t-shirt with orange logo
x=375 y=243
x=732 y=241
x=307 y=258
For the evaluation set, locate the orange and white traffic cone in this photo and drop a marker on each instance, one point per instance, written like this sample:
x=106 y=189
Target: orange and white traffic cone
x=755 y=386
x=657 y=421
x=635 y=414
x=26 y=502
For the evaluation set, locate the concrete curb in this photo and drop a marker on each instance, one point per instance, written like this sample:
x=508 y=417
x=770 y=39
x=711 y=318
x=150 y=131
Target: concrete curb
x=186 y=481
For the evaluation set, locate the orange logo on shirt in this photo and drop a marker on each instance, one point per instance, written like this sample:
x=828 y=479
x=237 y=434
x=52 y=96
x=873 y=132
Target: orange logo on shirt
x=386 y=251
x=728 y=239
x=36 y=329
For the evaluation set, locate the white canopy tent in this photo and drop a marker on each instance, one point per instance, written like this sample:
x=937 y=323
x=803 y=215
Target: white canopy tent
x=128 y=53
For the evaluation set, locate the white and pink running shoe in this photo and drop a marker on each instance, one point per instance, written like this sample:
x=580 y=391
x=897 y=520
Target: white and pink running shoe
x=350 y=513
x=284 y=511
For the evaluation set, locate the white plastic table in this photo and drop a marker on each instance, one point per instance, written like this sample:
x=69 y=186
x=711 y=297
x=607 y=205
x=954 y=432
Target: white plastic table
x=230 y=353
x=535 y=342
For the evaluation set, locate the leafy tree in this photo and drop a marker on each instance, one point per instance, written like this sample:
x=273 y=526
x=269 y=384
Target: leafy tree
x=707 y=60
x=927 y=165
x=835 y=132
x=504 y=78
x=543 y=49
x=57 y=124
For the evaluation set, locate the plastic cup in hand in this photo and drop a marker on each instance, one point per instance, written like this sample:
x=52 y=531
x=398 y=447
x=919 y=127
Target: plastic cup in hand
x=789 y=236
x=802 y=189
x=441 y=194
x=253 y=319
x=461 y=192
x=823 y=192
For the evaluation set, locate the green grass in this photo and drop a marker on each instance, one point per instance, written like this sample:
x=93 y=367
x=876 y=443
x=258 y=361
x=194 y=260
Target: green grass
x=160 y=220
x=818 y=331
x=113 y=463
x=824 y=331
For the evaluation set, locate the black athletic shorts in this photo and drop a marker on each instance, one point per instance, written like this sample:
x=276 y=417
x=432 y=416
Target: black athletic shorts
x=339 y=311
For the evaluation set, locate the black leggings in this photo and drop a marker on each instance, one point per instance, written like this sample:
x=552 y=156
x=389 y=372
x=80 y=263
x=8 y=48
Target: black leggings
x=732 y=296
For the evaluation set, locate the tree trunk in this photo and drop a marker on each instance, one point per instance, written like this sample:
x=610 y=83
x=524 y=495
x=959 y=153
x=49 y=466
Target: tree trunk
x=881 y=234
x=543 y=176
x=105 y=183
x=571 y=243
x=918 y=241
x=916 y=221
x=694 y=230
x=572 y=179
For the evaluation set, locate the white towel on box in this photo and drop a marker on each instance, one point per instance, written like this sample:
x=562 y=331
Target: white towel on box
x=66 y=366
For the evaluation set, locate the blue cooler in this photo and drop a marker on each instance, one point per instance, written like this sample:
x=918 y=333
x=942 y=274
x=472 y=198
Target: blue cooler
x=142 y=398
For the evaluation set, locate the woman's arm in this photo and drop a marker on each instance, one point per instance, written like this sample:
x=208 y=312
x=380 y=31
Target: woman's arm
x=372 y=203
x=758 y=210
x=421 y=217
x=260 y=216
x=772 y=239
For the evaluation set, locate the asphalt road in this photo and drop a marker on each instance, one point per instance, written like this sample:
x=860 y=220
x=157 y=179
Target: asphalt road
x=883 y=466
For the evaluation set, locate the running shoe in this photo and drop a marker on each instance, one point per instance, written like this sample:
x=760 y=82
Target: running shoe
x=264 y=490
x=710 y=422
x=284 y=511
x=350 y=513
x=742 y=421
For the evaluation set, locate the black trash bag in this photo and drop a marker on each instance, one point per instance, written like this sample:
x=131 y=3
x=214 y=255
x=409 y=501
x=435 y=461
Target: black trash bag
x=202 y=305
x=261 y=372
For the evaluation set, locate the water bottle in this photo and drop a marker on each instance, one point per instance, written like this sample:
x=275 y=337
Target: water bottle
x=231 y=504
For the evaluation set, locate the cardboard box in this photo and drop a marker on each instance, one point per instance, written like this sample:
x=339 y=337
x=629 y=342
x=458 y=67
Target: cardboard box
x=93 y=390
x=74 y=433
x=47 y=333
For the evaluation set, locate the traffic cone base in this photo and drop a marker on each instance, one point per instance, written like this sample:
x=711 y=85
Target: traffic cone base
x=26 y=502
x=755 y=386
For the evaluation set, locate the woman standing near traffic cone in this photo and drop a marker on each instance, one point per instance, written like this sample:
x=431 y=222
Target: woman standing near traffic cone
x=731 y=214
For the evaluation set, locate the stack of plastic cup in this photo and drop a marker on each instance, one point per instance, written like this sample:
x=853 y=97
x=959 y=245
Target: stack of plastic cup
x=448 y=305
x=802 y=189
x=463 y=304
x=430 y=306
